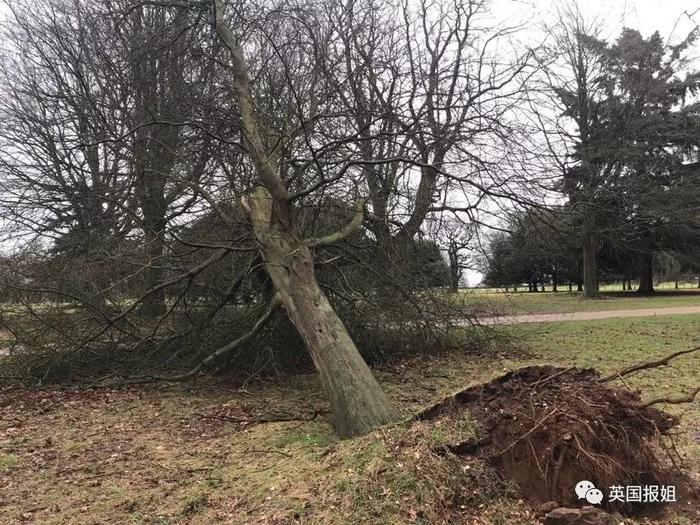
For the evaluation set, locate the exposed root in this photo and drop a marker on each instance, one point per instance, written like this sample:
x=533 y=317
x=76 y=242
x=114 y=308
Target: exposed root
x=549 y=428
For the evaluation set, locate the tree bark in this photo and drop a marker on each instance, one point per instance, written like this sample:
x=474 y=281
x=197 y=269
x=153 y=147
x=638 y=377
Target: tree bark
x=357 y=402
x=453 y=254
x=646 y=276
x=154 y=303
x=590 y=261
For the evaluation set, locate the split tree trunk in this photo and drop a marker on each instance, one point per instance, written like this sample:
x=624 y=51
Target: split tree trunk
x=357 y=401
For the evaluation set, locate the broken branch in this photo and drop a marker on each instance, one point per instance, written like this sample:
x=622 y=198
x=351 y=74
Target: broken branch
x=689 y=398
x=646 y=365
x=347 y=230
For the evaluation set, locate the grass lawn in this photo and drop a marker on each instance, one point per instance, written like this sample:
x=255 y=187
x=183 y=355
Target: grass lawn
x=563 y=302
x=150 y=455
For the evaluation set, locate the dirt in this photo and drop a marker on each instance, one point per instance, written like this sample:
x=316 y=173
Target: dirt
x=548 y=428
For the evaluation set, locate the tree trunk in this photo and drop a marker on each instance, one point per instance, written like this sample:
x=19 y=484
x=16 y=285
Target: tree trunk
x=154 y=303
x=542 y=289
x=646 y=276
x=453 y=254
x=571 y=286
x=579 y=286
x=624 y=285
x=357 y=401
x=590 y=261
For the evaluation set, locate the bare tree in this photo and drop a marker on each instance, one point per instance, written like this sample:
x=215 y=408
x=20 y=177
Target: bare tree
x=296 y=115
x=357 y=401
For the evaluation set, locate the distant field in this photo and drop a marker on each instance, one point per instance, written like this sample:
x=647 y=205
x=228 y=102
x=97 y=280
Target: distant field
x=562 y=302
x=614 y=287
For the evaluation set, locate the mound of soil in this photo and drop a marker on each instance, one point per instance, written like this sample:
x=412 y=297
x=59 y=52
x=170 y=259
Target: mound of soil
x=548 y=428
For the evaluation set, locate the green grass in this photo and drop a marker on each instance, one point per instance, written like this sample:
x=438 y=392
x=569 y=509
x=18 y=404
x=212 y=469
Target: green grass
x=561 y=302
x=8 y=462
x=150 y=458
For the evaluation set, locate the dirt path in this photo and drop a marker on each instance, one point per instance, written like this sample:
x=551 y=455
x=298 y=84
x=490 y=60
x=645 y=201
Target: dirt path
x=588 y=316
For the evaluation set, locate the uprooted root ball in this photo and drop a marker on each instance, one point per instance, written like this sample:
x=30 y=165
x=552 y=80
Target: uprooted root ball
x=548 y=428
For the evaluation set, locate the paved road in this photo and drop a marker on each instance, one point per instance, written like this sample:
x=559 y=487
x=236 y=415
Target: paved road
x=589 y=316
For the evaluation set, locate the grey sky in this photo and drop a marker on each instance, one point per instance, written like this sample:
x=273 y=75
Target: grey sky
x=645 y=15
x=669 y=17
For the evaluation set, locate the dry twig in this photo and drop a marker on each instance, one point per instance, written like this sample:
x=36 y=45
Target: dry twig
x=646 y=365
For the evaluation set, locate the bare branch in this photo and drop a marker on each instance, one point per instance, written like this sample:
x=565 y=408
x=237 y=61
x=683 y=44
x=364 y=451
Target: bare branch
x=346 y=231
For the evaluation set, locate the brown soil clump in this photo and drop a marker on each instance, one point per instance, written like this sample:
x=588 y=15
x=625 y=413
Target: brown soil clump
x=548 y=428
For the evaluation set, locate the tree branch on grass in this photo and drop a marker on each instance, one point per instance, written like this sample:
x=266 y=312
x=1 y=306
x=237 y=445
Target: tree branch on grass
x=226 y=349
x=646 y=365
x=689 y=398
x=271 y=419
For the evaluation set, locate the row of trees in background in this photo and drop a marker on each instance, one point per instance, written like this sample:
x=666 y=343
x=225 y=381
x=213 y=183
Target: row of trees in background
x=622 y=121
x=542 y=247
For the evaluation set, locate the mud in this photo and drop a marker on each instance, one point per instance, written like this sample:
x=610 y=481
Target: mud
x=547 y=428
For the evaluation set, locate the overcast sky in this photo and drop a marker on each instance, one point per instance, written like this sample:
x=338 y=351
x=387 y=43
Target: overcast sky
x=669 y=17
x=666 y=16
